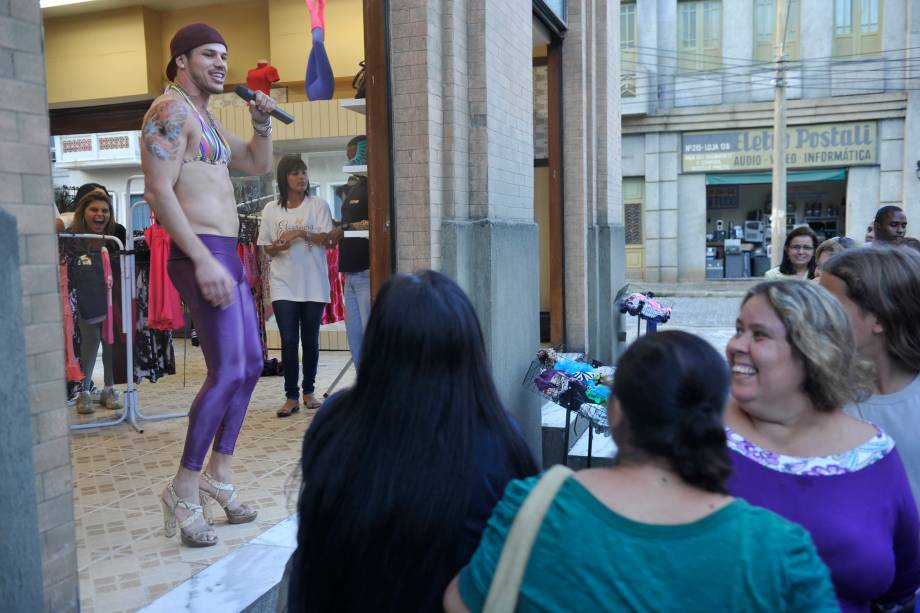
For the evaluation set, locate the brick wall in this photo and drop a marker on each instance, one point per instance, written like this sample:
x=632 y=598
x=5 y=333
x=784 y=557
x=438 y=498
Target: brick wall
x=25 y=192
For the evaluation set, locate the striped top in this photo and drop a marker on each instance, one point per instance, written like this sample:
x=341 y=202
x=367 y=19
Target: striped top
x=213 y=148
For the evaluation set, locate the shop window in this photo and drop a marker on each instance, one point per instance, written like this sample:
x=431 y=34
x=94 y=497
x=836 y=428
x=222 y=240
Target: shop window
x=699 y=34
x=857 y=27
x=628 y=36
x=764 y=20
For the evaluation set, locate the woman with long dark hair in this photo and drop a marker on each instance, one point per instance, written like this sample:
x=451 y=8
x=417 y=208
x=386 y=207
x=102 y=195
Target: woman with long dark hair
x=657 y=531
x=798 y=256
x=293 y=231
x=401 y=472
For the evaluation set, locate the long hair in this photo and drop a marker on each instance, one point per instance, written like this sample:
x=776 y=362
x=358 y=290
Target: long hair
x=678 y=417
x=885 y=281
x=819 y=333
x=287 y=165
x=388 y=465
x=786 y=266
x=78 y=225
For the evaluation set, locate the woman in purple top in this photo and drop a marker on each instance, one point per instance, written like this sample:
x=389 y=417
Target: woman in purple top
x=796 y=453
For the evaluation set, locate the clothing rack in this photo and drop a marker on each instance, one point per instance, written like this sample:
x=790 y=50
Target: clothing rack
x=126 y=323
x=131 y=412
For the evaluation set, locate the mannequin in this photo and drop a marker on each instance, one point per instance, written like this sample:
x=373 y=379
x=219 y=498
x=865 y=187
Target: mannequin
x=262 y=76
x=319 y=81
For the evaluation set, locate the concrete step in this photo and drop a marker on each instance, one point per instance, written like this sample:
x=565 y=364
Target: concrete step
x=553 y=421
x=603 y=450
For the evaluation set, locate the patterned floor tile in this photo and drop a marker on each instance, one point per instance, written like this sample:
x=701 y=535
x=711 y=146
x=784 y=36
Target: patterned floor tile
x=125 y=560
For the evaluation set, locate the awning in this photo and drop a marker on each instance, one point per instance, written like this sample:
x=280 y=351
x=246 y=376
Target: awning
x=793 y=176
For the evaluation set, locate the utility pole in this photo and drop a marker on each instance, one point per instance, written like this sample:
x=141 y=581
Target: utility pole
x=778 y=226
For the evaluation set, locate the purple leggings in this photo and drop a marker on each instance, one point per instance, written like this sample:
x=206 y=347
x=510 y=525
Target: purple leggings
x=232 y=352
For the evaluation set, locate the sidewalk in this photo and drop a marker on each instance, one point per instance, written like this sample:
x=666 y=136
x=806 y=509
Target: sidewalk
x=713 y=288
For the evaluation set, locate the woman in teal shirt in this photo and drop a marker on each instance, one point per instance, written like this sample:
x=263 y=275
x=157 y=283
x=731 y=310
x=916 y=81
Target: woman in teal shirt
x=657 y=532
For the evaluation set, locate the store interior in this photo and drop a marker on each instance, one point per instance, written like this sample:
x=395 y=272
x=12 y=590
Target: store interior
x=738 y=220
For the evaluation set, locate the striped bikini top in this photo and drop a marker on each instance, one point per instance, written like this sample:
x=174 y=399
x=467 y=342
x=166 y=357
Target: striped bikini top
x=213 y=148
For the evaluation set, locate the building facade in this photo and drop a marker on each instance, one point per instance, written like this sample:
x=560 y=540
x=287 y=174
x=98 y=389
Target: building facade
x=698 y=83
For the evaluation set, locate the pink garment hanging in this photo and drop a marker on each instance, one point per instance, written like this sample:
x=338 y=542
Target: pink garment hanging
x=72 y=370
x=335 y=310
x=164 y=310
x=108 y=334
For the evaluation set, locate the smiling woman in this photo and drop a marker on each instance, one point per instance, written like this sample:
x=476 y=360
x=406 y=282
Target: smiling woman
x=798 y=256
x=794 y=366
x=94 y=216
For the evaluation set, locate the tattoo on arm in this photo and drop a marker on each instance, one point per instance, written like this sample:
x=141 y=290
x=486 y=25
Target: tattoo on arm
x=163 y=129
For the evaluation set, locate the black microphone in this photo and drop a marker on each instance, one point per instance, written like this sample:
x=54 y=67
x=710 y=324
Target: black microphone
x=247 y=94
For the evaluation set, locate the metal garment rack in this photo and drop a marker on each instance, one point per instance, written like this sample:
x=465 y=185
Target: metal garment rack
x=126 y=414
x=135 y=412
x=131 y=412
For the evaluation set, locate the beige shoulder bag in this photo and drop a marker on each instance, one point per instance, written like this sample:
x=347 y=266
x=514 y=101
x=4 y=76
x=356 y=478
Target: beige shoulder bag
x=506 y=582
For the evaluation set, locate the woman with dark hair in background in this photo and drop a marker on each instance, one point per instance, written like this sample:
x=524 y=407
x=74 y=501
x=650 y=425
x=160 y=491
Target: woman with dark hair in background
x=401 y=472
x=879 y=289
x=657 y=531
x=797 y=453
x=798 y=256
x=292 y=232
x=93 y=215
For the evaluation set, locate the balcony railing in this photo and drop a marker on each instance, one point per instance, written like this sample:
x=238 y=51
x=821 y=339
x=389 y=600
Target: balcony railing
x=104 y=149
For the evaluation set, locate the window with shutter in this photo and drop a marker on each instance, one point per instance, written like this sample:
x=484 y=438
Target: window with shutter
x=764 y=19
x=857 y=27
x=628 y=37
x=699 y=34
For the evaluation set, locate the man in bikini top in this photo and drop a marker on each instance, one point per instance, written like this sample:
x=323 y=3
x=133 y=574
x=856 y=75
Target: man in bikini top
x=187 y=155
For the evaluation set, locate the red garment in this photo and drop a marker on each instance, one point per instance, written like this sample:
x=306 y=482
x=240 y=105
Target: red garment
x=335 y=310
x=164 y=311
x=261 y=77
x=72 y=369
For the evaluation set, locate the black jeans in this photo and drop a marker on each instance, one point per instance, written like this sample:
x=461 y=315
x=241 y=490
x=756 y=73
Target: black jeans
x=299 y=319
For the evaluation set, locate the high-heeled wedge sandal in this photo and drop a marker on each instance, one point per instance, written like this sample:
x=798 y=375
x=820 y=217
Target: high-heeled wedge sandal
x=170 y=501
x=240 y=515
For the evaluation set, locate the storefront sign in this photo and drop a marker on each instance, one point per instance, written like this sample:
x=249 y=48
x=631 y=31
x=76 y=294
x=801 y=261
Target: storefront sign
x=832 y=144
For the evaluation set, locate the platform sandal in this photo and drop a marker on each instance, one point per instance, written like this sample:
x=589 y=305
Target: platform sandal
x=224 y=495
x=171 y=501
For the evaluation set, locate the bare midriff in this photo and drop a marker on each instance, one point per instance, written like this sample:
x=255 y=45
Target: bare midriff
x=206 y=196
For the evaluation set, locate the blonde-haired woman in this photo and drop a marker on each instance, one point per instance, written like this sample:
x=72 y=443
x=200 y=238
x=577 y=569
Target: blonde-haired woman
x=798 y=454
x=829 y=249
x=879 y=289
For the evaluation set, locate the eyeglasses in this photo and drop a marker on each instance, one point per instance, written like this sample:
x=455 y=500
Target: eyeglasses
x=801 y=248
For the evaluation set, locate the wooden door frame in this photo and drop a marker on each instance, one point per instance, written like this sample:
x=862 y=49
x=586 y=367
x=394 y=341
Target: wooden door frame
x=381 y=214
x=556 y=194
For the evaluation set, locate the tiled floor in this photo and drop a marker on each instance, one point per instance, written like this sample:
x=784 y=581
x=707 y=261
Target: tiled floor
x=125 y=560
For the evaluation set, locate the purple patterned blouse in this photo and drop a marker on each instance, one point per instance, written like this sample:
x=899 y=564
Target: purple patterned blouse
x=857 y=506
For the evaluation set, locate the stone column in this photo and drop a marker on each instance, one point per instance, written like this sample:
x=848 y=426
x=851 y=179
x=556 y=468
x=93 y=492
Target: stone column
x=33 y=373
x=862 y=199
x=463 y=140
x=691 y=252
x=594 y=237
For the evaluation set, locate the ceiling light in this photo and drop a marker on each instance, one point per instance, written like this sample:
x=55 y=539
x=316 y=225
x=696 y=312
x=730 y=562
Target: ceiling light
x=51 y=3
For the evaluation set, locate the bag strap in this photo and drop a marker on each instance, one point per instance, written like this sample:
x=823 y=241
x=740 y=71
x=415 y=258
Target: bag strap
x=506 y=581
